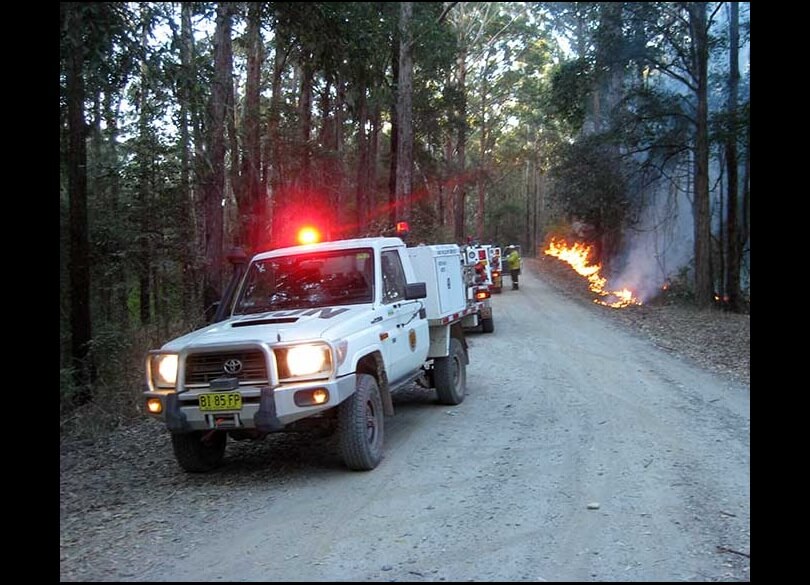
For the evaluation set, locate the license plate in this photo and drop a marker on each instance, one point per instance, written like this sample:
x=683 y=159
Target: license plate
x=221 y=401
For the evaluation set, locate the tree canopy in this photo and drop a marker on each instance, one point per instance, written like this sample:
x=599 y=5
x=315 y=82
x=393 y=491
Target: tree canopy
x=190 y=128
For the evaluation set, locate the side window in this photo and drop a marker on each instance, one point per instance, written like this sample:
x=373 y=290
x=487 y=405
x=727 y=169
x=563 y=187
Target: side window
x=393 y=277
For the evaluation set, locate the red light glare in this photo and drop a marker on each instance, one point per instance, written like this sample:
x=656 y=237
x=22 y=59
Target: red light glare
x=308 y=235
x=402 y=227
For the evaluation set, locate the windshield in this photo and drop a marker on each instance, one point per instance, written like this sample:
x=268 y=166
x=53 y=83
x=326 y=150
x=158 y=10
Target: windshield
x=303 y=281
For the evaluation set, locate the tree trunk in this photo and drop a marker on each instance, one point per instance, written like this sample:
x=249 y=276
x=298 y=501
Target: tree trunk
x=404 y=114
x=373 y=154
x=482 y=170
x=339 y=180
x=120 y=310
x=305 y=117
x=392 y=171
x=275 y=165
x=746 y=204
x=144 y=168
x=233 y=182
x=527 y=225
x=200 y=165
x=186 y=198
x=362 y=162
x=703 y=267
x=215 y=187
x=98 y=189
x=79 y=269
x=733 y=221
x=461 y=187
x=252 y=198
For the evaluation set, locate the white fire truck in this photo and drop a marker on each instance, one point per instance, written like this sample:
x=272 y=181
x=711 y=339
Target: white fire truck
x=318 y=334
x=479 y=278
x=496 y=262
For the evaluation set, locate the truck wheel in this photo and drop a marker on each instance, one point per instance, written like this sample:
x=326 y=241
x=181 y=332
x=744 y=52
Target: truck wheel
x=360 y=425
x=199 y=451
x=450 y=375
x=487 y=325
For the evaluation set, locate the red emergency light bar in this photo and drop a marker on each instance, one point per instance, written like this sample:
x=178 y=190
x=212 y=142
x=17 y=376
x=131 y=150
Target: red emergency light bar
x=308 y=235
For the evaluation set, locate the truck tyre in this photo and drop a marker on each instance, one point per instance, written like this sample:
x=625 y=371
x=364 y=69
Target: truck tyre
x=450 y=375
x=360 y=426
x=487 y=325
x=199 y=451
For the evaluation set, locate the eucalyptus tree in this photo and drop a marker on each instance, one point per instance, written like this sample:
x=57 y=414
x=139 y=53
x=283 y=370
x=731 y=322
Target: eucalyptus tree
x=587 y=92
x=497 y=76
x=432 y=55
x=90 y=67
x=696 y=67
x=330 y=45
x=680 y=50
x=144 y=153
x=469 y=21
x=73 y=17
x=212 y=177
x=404 y=172
x=736 y=232
x=251 y=195
x=528 y=137
x=640 y=84
x=191 y=154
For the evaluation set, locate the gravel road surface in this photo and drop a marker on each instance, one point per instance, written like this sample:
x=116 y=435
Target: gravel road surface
x=581 y=453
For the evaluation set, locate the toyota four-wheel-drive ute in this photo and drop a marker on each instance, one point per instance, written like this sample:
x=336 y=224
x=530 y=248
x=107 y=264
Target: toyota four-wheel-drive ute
x=316 y=335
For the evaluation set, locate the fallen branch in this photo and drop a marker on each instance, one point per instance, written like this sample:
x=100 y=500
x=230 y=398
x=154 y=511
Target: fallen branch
x=731 y=550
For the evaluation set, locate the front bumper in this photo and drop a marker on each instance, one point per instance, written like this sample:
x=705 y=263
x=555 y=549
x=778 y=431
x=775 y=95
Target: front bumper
x=264 y=409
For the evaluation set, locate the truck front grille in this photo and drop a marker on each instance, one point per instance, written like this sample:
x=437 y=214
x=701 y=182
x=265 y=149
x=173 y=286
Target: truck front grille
x=204 y=367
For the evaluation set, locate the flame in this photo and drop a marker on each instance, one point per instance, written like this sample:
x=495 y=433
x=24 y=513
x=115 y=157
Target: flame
x=577 y=256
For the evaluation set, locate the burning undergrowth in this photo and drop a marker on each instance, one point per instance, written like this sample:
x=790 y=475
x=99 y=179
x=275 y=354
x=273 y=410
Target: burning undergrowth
x=578 y=256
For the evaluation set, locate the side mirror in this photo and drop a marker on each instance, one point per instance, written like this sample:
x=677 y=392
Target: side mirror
x=416 y=290
x=237 y=256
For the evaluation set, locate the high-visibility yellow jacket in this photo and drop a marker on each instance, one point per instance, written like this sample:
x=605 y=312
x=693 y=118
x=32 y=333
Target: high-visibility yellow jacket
x=513 y=259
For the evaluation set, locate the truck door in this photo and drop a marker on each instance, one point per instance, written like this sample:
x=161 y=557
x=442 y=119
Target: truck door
x=408 y=337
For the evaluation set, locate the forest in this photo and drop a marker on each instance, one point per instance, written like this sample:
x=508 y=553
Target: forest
x=188 y=129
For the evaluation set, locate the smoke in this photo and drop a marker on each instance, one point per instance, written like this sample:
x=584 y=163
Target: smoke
x=659 y=245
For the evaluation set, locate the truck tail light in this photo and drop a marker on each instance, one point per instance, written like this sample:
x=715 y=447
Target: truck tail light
x=481 y=295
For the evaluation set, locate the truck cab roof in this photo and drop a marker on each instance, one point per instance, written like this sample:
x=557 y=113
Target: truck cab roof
x=377 y=243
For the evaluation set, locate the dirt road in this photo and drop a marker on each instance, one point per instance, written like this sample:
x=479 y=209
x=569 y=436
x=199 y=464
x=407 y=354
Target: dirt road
x=580 y=453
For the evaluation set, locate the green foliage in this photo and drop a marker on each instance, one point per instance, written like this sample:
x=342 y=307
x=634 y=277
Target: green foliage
x=591 y=184
x=571 y=84
x=653 y=121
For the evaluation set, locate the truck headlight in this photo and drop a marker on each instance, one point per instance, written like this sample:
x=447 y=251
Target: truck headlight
x=304 y=361
x=164 y=370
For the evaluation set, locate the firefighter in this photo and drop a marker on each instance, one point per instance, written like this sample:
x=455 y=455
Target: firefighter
x=513 y=260
x=480 y=272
